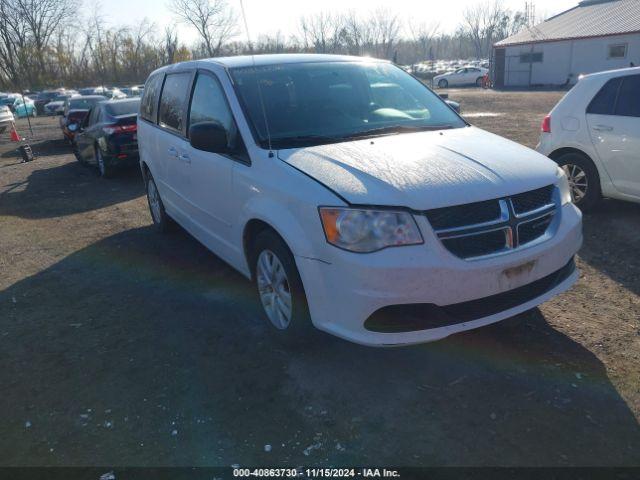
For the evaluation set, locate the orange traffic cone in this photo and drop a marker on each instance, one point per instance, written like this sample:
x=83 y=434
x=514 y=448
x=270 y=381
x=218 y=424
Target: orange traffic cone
x=14 y=133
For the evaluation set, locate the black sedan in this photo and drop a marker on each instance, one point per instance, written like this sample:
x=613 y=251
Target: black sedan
x=108 y=136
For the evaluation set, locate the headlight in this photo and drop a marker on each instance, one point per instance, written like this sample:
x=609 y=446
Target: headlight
x=364 y=231
x=563 y=185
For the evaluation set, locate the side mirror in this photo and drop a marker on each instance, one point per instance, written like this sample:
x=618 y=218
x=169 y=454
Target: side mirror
x=454 y=105
x=209 y=137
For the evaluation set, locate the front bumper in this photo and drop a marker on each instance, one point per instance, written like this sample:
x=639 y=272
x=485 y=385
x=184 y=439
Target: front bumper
x=345 y=290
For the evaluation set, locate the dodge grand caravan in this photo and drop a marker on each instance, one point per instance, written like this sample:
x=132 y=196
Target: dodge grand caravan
x=354 y=197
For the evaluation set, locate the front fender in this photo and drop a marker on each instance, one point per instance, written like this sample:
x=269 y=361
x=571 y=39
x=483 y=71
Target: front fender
x=284 y=221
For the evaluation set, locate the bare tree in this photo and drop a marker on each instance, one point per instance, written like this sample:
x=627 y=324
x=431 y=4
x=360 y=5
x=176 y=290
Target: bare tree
x=43 y=18
x=485 y=23
x=322 y=32
x=386 y=27
x=422 y=34
x=214 y=20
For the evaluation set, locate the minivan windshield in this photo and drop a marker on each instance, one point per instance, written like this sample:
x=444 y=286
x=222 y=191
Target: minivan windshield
x=327 y=102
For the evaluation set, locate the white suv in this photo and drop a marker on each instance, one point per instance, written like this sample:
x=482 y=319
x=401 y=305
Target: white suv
x=354 y=197
x=593 y=133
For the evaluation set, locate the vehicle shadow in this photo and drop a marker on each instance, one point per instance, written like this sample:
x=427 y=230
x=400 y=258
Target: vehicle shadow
x=146 y=349
x=42 y=149
x=67 y=189
x=612 y=243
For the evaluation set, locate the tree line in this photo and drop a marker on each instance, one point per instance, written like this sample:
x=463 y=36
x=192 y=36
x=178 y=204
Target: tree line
x=47 y=43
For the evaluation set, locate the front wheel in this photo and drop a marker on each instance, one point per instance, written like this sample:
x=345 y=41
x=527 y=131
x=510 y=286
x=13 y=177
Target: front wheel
x=105 y=170
x=280 y=290
x=584 y=181
x=443 y=83
x=479 y=82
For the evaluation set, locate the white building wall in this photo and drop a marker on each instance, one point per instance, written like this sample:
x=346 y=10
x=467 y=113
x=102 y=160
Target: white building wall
x=568 y=57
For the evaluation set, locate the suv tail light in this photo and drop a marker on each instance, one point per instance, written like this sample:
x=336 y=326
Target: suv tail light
x=546 y=124
x=111 y=129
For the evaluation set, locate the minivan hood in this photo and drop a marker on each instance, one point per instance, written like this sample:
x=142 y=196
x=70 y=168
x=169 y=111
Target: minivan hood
x=424 y=170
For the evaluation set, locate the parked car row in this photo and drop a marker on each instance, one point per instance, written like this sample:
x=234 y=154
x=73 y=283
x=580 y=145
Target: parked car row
x=53 y=102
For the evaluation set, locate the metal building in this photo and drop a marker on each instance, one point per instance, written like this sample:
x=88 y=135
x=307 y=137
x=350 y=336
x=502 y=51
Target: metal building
x=594 y=36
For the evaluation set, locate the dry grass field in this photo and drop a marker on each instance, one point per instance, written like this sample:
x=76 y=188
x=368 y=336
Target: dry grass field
x=121 y=346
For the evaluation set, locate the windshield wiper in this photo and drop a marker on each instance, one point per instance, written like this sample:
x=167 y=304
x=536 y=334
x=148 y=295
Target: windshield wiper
x=298 y=140
x=372 y=132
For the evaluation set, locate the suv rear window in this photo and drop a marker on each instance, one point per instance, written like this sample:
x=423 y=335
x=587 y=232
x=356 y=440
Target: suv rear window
x=149 y=106
x=172 y=100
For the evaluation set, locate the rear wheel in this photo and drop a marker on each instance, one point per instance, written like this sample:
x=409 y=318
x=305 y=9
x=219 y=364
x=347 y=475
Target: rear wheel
x=443 y=83
x=76 y=152
x=280 y=290
x=3 y=128
x=584 y=181
x=161 y=220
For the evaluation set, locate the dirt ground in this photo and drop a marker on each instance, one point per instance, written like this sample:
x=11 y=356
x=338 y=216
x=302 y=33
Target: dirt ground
x=120 y=346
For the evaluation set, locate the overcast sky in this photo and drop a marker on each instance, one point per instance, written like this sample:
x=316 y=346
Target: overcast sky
x=271 y=16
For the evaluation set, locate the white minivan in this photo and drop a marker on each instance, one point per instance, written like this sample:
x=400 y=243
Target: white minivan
x=354 y=197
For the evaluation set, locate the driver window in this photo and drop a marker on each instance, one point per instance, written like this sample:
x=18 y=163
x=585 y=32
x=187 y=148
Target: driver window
x=209 y=104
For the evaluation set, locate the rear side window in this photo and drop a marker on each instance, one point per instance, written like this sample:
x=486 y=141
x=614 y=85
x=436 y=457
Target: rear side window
x=605 y=100
x=148 y=108
x=628 y=104
x=172 y=100
x=209 y=104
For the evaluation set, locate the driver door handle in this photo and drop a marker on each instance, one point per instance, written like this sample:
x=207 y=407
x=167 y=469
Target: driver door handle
x=602 y=128
x=184 y=158
x=172 y=152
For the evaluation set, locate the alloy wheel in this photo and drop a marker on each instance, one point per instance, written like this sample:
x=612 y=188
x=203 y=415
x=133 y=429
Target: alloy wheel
x=578 y=182
x=274 y=290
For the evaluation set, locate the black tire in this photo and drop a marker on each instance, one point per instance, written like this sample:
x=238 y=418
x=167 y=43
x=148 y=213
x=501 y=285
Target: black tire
x=479 y=82
x=104 y=169
x=443 y=83
x=593 y=192
x=76 y=153
x=300 y=328
x=161 y=221
x=2 y=129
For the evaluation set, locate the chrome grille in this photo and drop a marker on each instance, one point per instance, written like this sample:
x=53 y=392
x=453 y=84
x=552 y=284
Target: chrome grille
x=494 y=226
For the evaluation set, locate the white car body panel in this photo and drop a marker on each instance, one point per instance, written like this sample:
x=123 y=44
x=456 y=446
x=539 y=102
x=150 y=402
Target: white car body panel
x=424 y=170
x=611 y=142
x=214 y=198
x=6 y=117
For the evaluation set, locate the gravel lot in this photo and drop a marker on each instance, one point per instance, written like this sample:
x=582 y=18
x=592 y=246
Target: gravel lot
x=121 y=346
